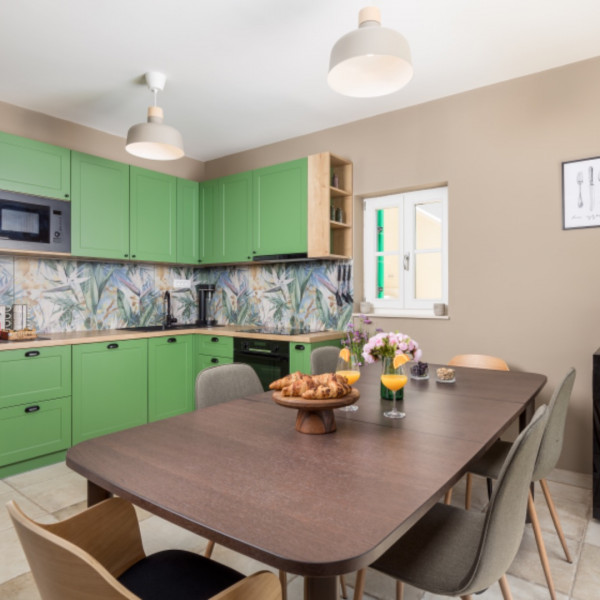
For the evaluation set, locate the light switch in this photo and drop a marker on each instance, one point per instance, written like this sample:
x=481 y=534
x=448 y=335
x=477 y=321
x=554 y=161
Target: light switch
x=181 y=283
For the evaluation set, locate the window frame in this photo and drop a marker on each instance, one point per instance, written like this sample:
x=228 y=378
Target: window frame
x=407 y=202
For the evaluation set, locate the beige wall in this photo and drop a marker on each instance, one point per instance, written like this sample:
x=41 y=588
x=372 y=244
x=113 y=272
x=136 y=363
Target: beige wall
x=37 y=126
x=520 y=286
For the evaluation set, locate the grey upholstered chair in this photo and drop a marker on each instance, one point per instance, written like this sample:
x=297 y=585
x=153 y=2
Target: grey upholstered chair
x=221 y=384
x=491 y=463
x=455 y=552
x=324 y=359
x=226 y=382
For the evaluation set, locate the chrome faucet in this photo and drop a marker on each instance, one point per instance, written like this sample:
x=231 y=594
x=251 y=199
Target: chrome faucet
x=169 y=318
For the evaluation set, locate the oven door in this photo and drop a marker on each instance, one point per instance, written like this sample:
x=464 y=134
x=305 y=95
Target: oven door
x=269 y=365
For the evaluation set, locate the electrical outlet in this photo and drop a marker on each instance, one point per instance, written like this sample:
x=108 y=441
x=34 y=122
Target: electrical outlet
x=181 y=283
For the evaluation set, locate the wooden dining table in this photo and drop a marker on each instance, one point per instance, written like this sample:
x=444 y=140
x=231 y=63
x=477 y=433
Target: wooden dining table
x=318 y=506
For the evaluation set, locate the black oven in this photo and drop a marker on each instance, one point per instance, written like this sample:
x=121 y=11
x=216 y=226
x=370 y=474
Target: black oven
x=269 y=358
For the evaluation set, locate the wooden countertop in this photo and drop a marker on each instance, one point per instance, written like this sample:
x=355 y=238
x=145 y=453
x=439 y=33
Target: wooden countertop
x=102 y=335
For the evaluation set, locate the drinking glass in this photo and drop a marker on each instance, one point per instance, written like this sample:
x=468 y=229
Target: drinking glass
x=393 y=378
x=350 y=369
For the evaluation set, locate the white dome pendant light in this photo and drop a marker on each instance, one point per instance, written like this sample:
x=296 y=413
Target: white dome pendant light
x=154 y=140
x=371 y=60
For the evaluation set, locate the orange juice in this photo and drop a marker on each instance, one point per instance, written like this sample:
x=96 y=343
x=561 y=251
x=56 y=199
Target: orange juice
x=394 y=382
x=351 y=376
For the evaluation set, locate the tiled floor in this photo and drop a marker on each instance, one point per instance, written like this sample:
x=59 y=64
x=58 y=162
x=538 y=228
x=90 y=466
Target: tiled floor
x=55 y=492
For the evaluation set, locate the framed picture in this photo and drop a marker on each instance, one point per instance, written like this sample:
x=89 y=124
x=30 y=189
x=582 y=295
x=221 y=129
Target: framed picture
x=581 y=193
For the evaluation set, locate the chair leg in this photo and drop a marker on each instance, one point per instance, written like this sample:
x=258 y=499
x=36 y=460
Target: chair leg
x=209 y=549
x=283 y=582
x=506 y=593
x=469 y=597
x=468 y=491
x=448 y=497
x=343 y=586
x=540 y=544
x=359 y=585
x=400 y=588
x=555 y=518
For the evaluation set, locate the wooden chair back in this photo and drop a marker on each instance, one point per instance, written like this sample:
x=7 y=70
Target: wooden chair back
x=479 y=361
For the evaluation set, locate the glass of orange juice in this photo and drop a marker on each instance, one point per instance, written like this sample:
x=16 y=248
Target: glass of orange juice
x=394 y=378
x=349 y=367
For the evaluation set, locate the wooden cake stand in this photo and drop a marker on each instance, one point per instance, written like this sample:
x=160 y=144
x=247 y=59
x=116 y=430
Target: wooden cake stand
x=315 y=416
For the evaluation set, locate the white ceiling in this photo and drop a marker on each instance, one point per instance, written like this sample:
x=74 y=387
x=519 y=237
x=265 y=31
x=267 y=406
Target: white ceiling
x=244 y=73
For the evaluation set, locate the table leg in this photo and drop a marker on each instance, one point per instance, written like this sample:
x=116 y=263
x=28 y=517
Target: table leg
x=96 y=494
x=320 y=588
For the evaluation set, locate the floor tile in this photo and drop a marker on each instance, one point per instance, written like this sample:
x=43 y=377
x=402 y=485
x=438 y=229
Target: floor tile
x=13 y=561
x=20 y=588
x=592 y=535
x=38 y=475
x=27 y=506
x=583 y=480
x=587 y=583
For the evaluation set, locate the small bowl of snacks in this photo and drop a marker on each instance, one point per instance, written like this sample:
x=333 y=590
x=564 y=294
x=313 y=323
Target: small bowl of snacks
x=445 y=375
x=419 y=371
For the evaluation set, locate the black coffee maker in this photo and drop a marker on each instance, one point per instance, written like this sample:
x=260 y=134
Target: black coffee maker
x=204 y=293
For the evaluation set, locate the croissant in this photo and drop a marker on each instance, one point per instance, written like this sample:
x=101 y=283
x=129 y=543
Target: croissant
x=326 y=391
x=279 y=384
x=297 y=388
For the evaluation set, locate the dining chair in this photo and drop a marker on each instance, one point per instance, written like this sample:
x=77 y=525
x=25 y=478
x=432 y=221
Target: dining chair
x=99 y=554
x=324 y=360
x=455 y=552
x=475 y=361
x=223 y=383
x=491 y=463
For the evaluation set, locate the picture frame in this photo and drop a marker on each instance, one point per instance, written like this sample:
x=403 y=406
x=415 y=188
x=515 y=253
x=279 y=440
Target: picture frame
x=581 y=193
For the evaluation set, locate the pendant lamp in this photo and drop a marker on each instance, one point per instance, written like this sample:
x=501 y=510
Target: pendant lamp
x=371 y=60
x=154 y=140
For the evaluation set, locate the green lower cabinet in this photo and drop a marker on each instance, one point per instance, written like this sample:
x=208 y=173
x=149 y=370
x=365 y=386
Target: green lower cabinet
x=204 y=361
x=170 y=376
x=110 y=387
x=300 y=354
x=211 y=351
x=35 y=429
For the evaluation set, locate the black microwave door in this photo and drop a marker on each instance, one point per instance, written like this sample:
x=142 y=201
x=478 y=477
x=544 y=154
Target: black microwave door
x=24 y=222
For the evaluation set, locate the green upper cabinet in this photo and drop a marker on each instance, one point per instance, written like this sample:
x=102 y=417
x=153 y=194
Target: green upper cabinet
x=188 y=222
x=32 y=167
x=153 y=216
x=211 y=224
x=100 y=207
x=234 y=200
x=280 y=208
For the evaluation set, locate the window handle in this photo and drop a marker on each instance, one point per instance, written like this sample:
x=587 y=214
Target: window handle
x=407 y=261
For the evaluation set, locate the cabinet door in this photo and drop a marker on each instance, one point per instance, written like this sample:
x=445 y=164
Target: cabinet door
x=300 y=354
x=36 y=168
x=203 y=361
x=211 y=223
x=280 y=208
x=33 y=430
x=100 y=207
x=170 y=376
x=234 y=200
x=153 y=217
x=217 y=345
x=35 y=374
x=110 y=387
x=188 y=222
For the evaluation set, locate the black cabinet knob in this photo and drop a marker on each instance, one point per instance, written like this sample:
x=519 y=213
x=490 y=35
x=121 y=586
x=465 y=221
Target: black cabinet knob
x=171 y=340
x=31 y=409
x=214 y=360
x=32 y=353
x=112 y=346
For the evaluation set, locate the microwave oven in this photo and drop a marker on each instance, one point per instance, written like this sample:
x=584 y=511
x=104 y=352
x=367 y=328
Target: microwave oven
x=34 y=223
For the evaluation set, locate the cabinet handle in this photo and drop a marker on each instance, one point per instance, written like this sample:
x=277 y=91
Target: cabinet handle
x=133 y=256
x=31 y=409
x=32 y=353
x=112 y=346
x=66 y=195
x=214 y=360
x=200 y=260
x=126 y=255
x=299 y=347
x=171 y=340
x=214 y=339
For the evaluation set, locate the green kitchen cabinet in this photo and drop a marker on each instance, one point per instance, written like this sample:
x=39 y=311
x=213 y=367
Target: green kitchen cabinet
x=211 y=224
x=33 y=167
x=300 y=354
x=153 y=216
x=170 y=376
x=212 y=350
x=34 y=430
x=280 y=208
x=34 y=374
x=188 y=222
x=100 y=207
x=110 y=387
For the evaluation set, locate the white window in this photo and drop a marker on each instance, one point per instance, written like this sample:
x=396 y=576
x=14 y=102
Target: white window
x=406 y=251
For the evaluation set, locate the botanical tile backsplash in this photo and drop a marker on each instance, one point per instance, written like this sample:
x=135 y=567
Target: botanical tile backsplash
x=75 y=295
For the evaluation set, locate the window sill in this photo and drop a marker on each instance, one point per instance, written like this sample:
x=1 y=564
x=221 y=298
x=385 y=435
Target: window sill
x=403 y=315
